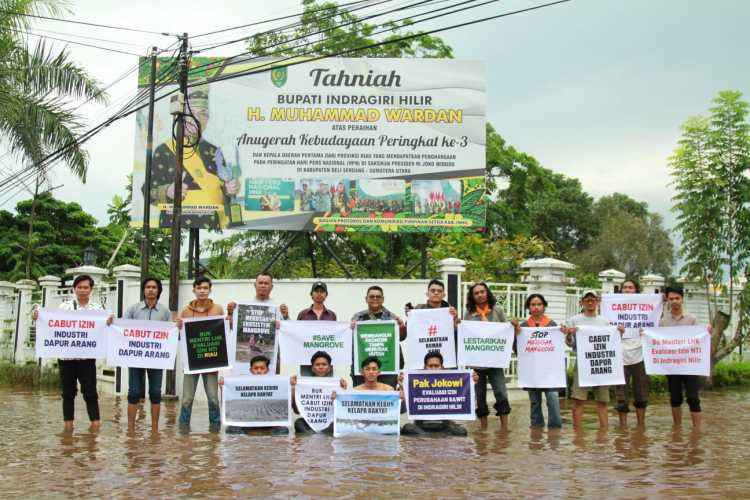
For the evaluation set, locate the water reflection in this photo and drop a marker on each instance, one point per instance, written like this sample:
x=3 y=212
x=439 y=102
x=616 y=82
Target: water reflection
x=36 y=459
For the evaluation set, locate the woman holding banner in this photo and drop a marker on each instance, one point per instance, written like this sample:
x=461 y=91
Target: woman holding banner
x=481 y=305
x=536 y=305
x=73 y=371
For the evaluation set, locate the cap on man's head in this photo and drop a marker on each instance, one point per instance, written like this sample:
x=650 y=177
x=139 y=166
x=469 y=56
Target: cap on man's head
x=589 y=291
x=319 y=284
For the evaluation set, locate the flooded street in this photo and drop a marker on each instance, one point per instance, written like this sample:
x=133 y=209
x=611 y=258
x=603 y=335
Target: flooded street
x=38 y=460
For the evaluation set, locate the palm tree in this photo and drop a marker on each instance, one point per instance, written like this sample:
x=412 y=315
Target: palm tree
x=37 y=90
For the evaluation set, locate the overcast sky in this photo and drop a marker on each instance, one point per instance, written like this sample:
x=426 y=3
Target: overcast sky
x=594 y=89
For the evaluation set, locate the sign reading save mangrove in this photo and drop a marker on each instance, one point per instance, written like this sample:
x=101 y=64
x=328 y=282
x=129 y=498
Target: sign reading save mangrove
x=366 y=412
x=485 y=344
x=204 y=344
x=377 y=338
x=439 y=395
x=256 y=401
x=71 y=334
x=677 y=350
x=599 y=356
x=299 y=340
x=142 y=344
x=339 y=144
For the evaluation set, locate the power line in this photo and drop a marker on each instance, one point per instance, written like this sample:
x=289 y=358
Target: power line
x=75 y=43
x=116 y=42
x=84 y=23
x=274 y=19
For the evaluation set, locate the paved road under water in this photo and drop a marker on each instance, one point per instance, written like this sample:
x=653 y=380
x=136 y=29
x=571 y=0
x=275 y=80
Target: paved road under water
x=38 y=460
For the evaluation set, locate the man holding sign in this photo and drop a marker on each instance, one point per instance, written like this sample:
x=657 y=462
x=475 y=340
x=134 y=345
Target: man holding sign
x=434 y=361
x=481 y=305
x=677 y=317
x=147 y=310
x=311 y=397
x=75 y=370
x=589 y=317
x=202 y=306
x=377 y=312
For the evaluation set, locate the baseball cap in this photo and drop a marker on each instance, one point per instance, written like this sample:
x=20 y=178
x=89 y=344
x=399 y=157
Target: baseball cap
x=319 y=284
x=589 y=291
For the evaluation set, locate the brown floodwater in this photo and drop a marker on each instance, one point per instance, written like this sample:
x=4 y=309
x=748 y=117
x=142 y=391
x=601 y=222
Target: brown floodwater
x=38 y=460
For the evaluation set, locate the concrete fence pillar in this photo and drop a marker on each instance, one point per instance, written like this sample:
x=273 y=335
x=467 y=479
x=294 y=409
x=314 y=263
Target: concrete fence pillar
x=611 y=279
x=547 y=276
x=451 y=271
x=24 y=289
x=652 y=283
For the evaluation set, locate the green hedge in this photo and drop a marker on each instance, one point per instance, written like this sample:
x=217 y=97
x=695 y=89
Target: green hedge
x=726 y=374
x=28 y=376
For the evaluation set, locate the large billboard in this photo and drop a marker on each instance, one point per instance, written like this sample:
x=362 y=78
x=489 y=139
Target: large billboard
x=328 y=145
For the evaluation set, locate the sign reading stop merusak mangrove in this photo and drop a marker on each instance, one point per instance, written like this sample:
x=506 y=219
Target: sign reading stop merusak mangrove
x=204 y=345
x=439 y=395
x=71 y=334
x=339 y=144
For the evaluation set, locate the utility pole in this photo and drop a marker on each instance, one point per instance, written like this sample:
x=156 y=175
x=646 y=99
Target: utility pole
x=174 y=254
x=146 y=240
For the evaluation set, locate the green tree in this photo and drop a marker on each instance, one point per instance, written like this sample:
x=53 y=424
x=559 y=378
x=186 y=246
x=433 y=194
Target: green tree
x=630 y=239
x=711 y=174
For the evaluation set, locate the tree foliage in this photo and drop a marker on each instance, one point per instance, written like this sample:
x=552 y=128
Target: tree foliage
x=37 y=87
x=711 y=174
x=629 y=238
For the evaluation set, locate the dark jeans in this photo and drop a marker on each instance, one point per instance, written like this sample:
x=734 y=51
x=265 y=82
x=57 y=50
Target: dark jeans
x=691 y=384
x=137 y=385
x=496 y=377
x=73 y=371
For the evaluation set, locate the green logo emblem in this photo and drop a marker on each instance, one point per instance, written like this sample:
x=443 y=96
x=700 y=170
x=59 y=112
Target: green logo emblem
x=278 y=76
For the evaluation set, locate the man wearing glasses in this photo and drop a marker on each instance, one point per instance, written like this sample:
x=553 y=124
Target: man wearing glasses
x=376 y=312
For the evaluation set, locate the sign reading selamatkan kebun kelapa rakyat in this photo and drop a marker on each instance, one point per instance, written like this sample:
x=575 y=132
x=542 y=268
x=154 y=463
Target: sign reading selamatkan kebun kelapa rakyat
x=338 y=144
x=78 y=334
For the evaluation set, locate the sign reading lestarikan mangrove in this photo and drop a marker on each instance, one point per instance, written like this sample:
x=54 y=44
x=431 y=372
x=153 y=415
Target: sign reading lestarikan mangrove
x=331 y=145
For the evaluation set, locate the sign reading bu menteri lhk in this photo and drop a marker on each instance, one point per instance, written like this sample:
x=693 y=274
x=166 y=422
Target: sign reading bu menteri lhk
x=331 y=145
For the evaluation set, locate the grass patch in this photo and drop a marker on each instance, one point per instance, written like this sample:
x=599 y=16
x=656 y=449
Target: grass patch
x=28 y=376
x=726 y=374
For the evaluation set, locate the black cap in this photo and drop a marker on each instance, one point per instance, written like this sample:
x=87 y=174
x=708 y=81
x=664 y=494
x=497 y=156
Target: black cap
x=319 y=284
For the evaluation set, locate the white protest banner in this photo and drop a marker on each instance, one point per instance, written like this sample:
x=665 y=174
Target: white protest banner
x=634 y=311
x=78 y=334
x=204 y=344
x=599 y=356
x=312 y=396
x=485 y=344
x=439 y=395
x=142 y=344
x=366 y=412
x=299 y=340
x=256 y=401
x=430 y=330
x=380 y=339
x=541 y=358
x=677 y=350
x=254 y=334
